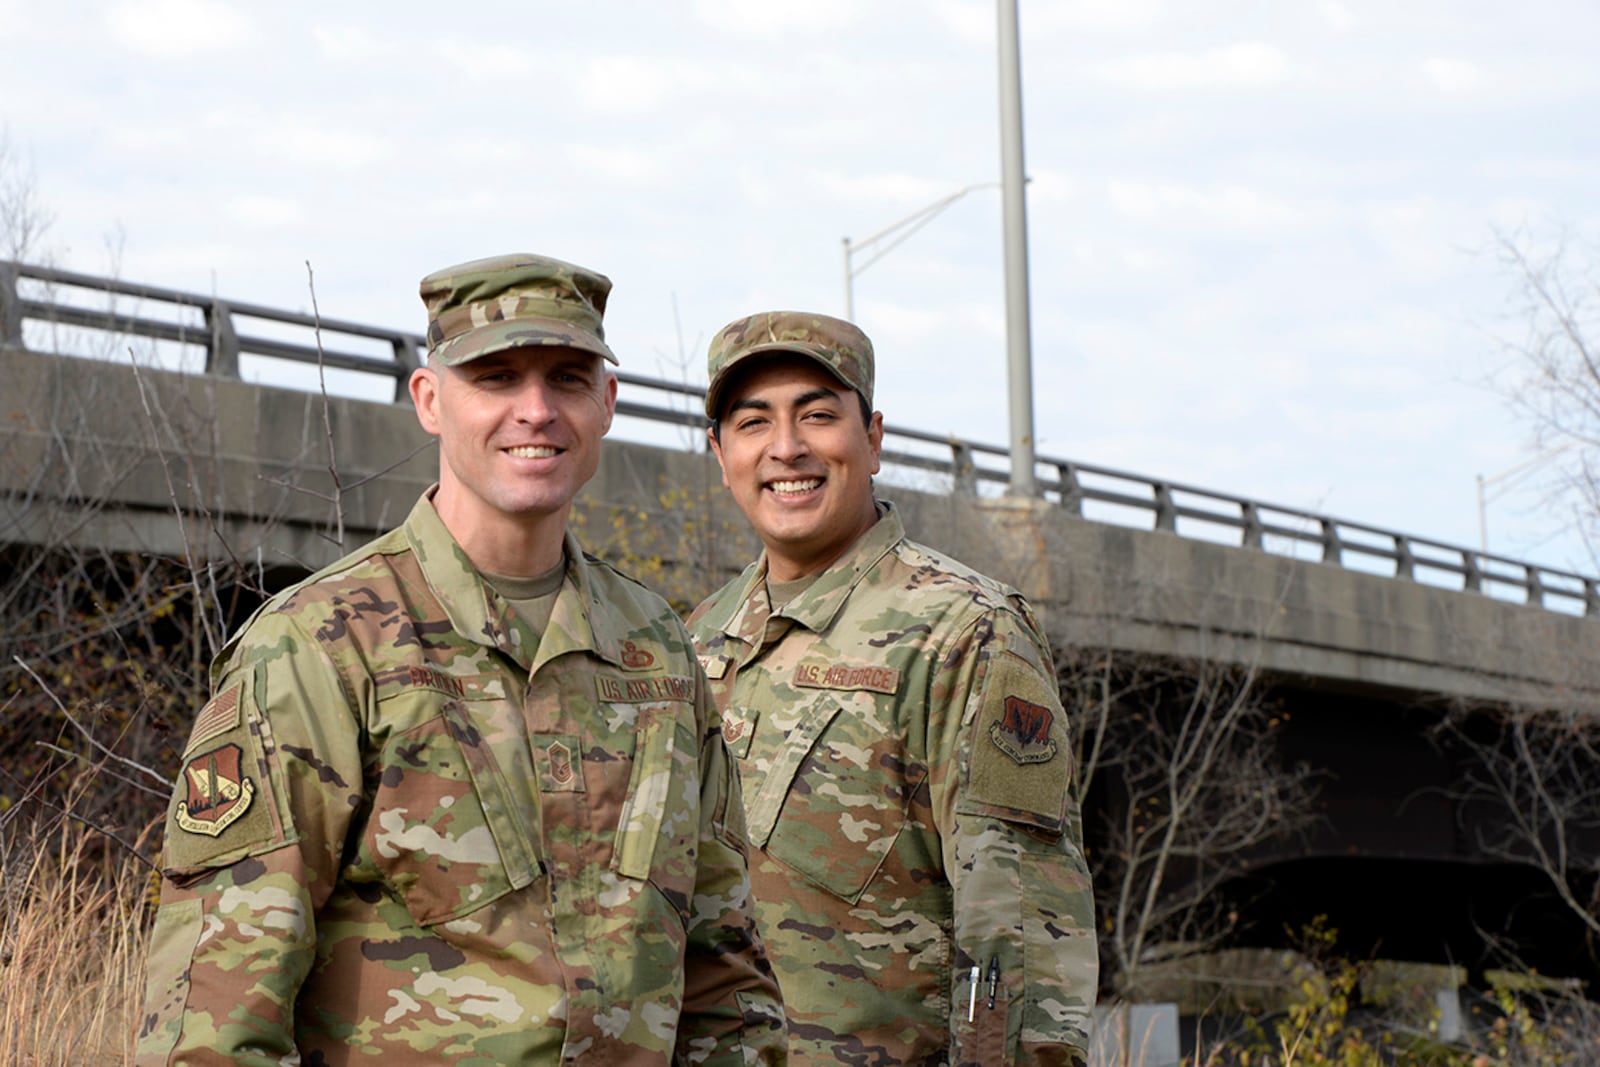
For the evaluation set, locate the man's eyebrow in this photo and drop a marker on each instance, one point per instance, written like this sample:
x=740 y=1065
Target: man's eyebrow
x=762 y=404
x=819 y=393
x=749 y=404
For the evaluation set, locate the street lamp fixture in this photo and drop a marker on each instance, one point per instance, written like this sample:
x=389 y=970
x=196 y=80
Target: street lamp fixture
x=890 y=238
x=1512 y=475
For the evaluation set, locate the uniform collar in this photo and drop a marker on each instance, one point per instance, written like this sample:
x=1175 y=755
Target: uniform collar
x=481 y=615
x=743 y=616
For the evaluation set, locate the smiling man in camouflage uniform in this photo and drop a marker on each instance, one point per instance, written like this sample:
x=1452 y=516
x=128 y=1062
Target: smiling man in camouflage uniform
x=906 y=764
x=460 y=797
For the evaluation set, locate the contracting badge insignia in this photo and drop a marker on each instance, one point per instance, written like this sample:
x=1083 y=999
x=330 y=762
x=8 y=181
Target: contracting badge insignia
x=219 y=793
x=1023 y=732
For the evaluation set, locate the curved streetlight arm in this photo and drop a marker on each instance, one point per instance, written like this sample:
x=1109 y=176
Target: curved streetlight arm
x=1510 y=473
x=900 y=231
x=910 y=225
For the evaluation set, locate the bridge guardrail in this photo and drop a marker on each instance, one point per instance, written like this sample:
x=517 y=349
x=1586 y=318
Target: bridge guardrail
x=219 y=331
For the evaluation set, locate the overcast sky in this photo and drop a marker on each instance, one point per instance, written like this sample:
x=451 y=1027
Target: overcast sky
x=1260 y=231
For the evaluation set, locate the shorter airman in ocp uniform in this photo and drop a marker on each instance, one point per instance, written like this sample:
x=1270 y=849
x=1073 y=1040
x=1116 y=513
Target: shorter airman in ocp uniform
x=461 y=797
x=906 y=764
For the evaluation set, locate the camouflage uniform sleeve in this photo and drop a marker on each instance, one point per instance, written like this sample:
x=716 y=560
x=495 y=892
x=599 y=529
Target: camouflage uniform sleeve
x=1006 y=804
x=253 y=838
x=732 y=1015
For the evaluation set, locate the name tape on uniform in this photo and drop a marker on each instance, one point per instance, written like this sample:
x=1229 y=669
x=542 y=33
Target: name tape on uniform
x=643 y=690
x=847 y=676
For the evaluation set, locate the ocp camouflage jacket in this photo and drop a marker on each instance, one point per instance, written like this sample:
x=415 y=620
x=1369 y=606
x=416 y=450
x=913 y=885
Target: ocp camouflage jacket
x=409 y=825
x=917 y=856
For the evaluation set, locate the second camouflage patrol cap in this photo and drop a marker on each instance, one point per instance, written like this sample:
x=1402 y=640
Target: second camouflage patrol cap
x=516 y=301
x=839 y=346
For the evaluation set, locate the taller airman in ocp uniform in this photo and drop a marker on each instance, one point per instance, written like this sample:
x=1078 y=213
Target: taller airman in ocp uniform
x=906 y=762
x=461 y=797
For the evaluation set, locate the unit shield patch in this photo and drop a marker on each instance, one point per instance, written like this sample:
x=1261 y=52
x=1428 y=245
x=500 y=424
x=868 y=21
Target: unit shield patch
x=219 y=794
x=1023 y=732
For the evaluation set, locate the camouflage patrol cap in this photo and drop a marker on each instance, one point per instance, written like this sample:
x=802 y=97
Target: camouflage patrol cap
x=515 y=301
x=838 y=345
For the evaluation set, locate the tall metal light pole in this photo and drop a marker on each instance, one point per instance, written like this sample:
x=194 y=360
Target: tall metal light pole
x=899 y=231
x=1019 y=341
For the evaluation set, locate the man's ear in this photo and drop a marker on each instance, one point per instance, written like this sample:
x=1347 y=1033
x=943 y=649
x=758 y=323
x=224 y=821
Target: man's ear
x=716 y=450
x=425 y=398
x=875 y=439
x=610 y=401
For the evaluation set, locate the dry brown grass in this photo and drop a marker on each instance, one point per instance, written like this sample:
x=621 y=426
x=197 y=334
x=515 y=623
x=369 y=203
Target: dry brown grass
x=72 y=942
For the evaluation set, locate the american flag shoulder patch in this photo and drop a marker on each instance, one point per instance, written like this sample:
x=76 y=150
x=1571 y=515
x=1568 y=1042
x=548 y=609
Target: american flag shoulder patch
x=220 y=715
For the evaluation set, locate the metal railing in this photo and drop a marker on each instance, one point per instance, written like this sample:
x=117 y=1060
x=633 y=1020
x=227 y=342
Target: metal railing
x=218 y=331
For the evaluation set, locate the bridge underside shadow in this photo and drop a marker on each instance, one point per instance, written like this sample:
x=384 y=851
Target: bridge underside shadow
x=1476 y=916
x=1403 y=852
x=1415 y=854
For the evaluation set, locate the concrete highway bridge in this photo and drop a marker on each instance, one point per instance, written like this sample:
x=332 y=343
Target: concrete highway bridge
x=133 y=419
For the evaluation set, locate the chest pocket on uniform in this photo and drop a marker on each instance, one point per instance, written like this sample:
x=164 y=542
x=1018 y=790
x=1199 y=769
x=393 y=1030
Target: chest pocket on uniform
x=657 y=803
x=449 y=827
x=834 y=798
x=651 y=804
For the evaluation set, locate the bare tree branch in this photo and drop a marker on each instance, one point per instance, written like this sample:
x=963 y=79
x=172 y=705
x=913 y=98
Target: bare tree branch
x=88 y=736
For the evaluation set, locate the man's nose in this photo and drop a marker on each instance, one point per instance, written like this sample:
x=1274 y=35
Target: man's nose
x=788 y=443
x=534 y=404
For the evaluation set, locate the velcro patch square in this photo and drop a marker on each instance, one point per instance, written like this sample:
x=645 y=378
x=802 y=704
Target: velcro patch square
x=738 y=729
x=558 y=759
x=1020 y=762
x=219 y=716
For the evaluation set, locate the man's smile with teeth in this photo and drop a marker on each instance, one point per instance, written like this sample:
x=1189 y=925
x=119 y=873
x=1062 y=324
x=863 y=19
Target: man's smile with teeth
x=532 y=451
x=798 y=486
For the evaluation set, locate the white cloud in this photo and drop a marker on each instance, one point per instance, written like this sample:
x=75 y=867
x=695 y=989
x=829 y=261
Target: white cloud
x=908 y=190
x=974 y=20
x=1247 y=65
x=1228 y=206
x=474 y=149
x=913 y=322
x=621 y=85
x=266 y=212
x=617 y=162
x=340 y=149
x=771 y=18
x=13 y=17
x=1510 y=212
x=1145 y=259
x=140 y=138
x=1418 y=236
x=483 y=62
x=179 y=27
x=1520 y=170
x=1048 y=186
x=1118 y=15
x=349 y=42
x=200 y=265
x=1453 y=75
x=969 y=21
x=1337 y=15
